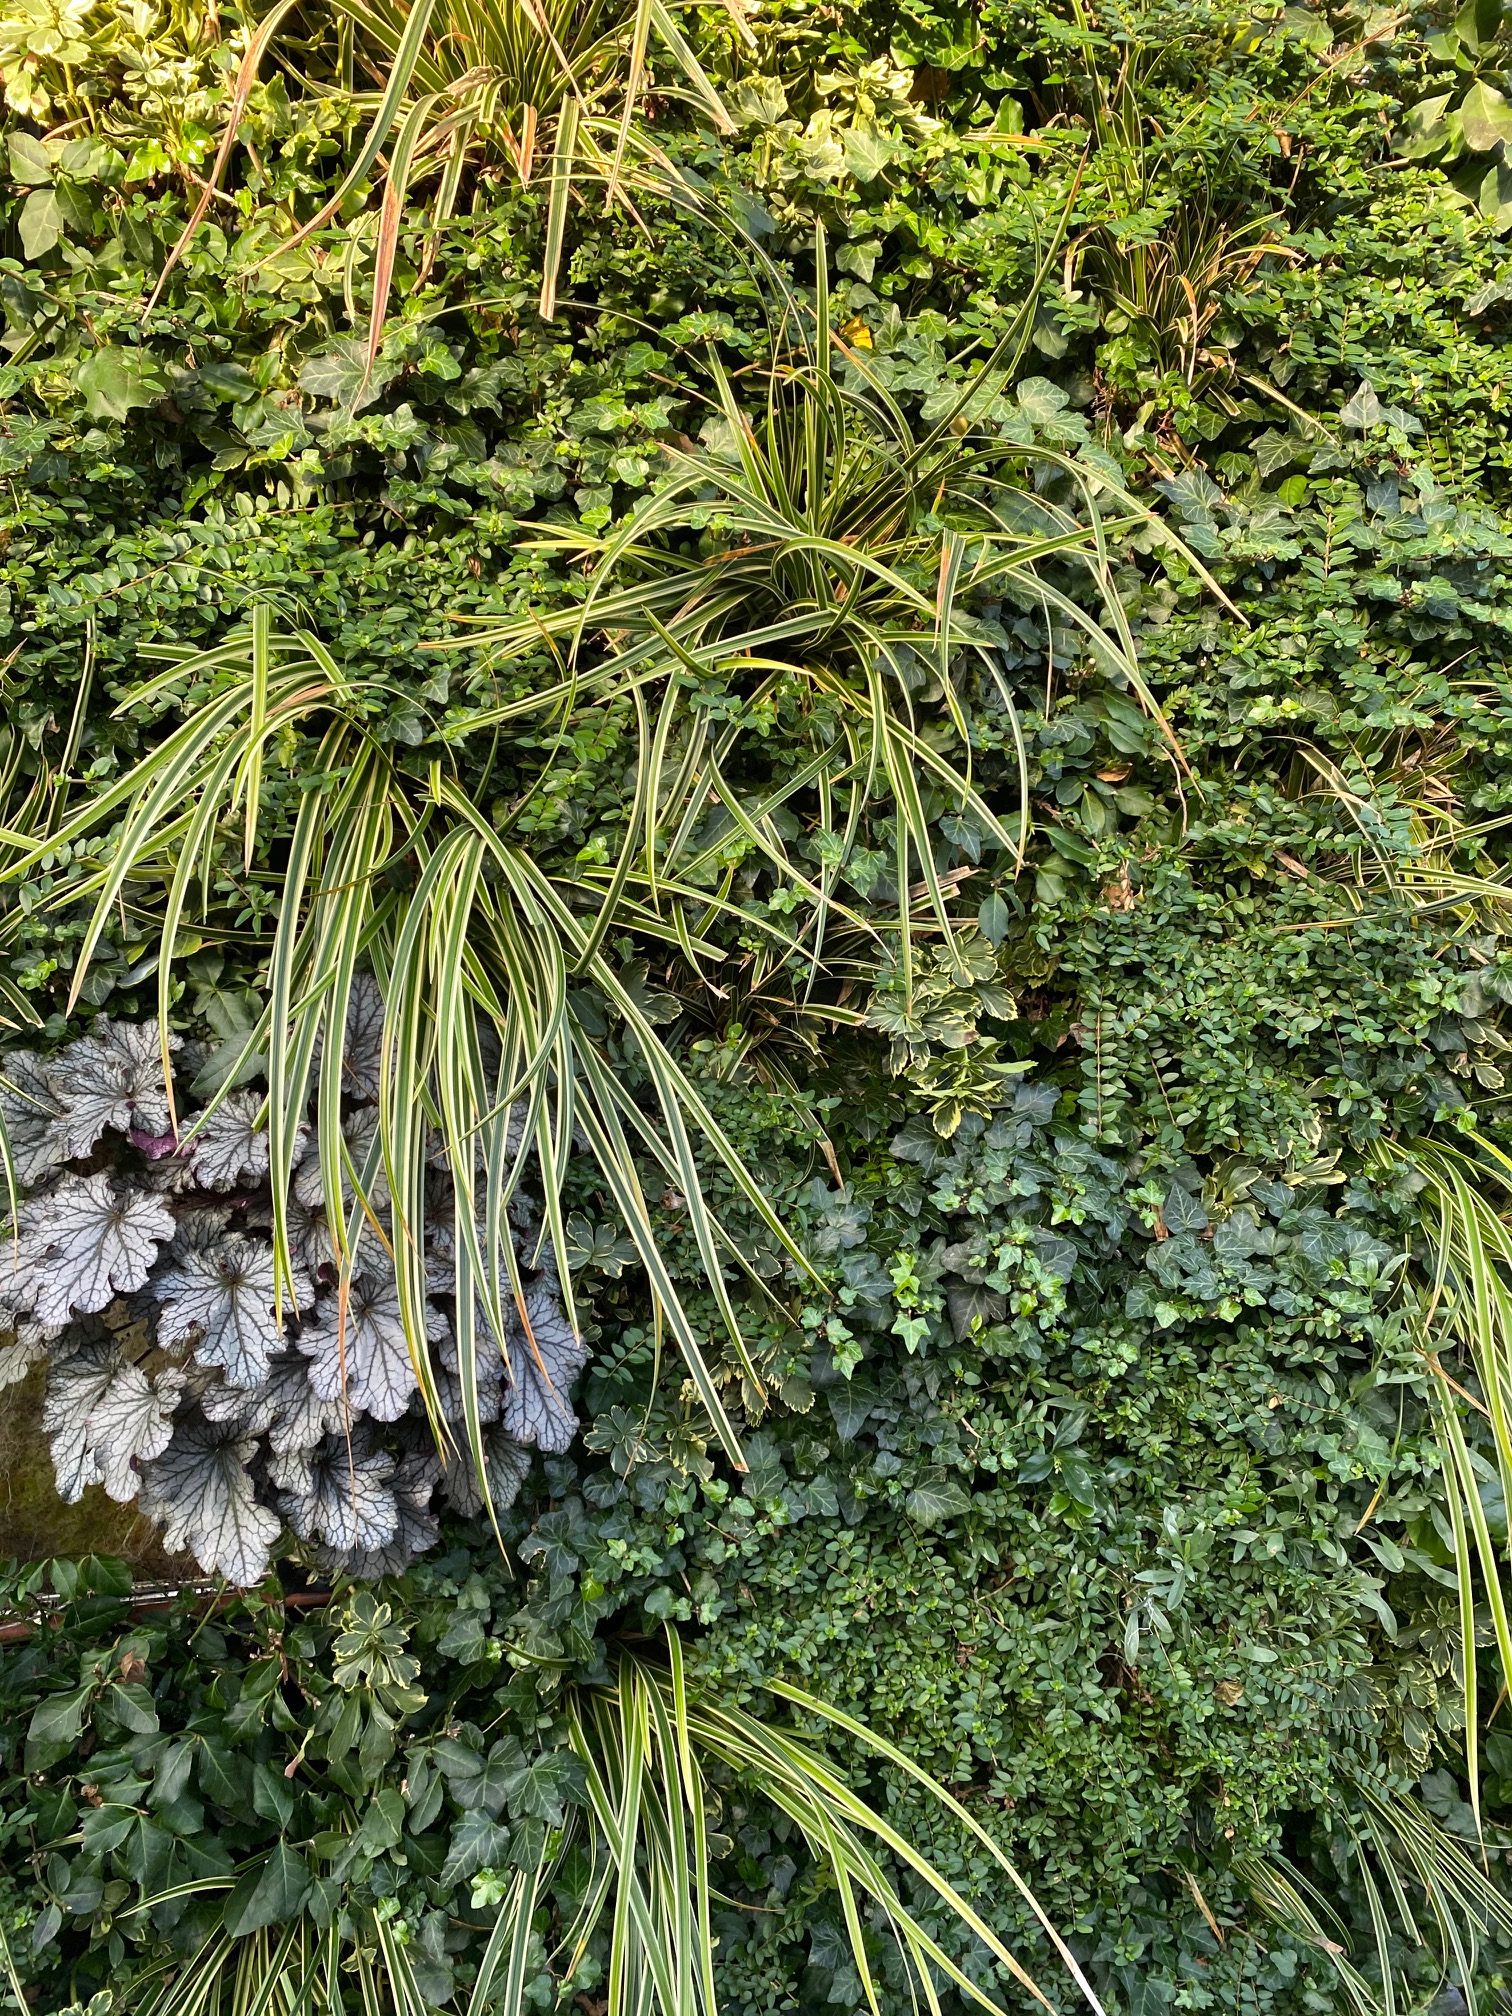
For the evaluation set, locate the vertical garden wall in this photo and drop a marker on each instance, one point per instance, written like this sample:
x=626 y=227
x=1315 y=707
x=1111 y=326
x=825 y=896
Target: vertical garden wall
x=753 y=902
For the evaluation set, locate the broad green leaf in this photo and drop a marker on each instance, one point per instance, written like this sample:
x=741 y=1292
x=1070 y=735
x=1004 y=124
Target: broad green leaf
x=30 y=163
x=1485 y=117
x=1477 y=23
x=935 y=1498
x=114 y=381
x=268 y=1894
x=56 y=1725
x=41 y=225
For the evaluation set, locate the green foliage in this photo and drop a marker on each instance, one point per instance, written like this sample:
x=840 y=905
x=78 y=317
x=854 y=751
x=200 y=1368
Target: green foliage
x=249 y=1805
x=1103 y=1468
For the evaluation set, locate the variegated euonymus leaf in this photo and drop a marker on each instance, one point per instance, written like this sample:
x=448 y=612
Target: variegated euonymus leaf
x=145 y=1281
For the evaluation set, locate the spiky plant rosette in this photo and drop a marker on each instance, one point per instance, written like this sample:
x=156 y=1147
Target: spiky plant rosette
x=180 y=1373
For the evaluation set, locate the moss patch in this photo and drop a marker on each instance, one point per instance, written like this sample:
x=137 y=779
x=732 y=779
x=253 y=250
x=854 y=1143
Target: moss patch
x=35 y=1524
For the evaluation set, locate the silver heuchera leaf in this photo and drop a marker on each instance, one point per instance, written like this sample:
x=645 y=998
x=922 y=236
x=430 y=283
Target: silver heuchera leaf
x=201 y=1493
x=131 y=1422
x=33 y=1119
x=87 y=1242
x=75 y=1386
x=285 y=1407
x=310 y=1236
x=197 y=1228
x=365 y=1359
x=542 y=1366
x=28 y=1347
x=360 y=1134
x=222 y=1298
x=343 y=1498
x=489 y=1373
x=113 y=1077
x=412 y=1484
x=226 y=1146
x=507 y=1464
x=489 y=1395
x=362 y=1042
x=362 y=1056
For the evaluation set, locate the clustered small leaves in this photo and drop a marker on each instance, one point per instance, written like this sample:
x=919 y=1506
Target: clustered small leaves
x=140 y=1269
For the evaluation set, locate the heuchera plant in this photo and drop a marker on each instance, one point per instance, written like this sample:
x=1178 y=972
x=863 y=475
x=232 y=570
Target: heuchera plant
x=140 y=1269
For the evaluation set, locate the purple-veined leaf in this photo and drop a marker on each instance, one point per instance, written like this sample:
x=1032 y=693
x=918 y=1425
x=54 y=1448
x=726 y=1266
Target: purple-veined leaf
x=201 y=1493
x=507 y=1463
x=537 y=1398
x=228 y=1147
x=343 y=1498
x=87 y=1242
x=285 y=1407
x=111 y=1078
x=364 y=1358
x=222 y=1299
x=32 y=1115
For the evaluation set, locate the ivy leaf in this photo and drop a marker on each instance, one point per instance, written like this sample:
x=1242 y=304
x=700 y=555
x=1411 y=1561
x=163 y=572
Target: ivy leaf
x=1426 y=128
x=476 y=1843
x=114 y=380
x=993 y=919
x=200 y=1492
x=270 y=1894
x=30 y=163
x=40 y=224
x=542 y=1366
x=223 y=1298
x=33 y=1119
x=1364 y=409
x=340 y=372
x=478 y=1784
x=536 y=1786
x=365 y=1357
x=851 y=1407
x=226 y=1146
x=1182 y=1212
x=344 y=1499
x=1485 y=117
x=934 y=1498
x=88 y=1243
x=1041 y=400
